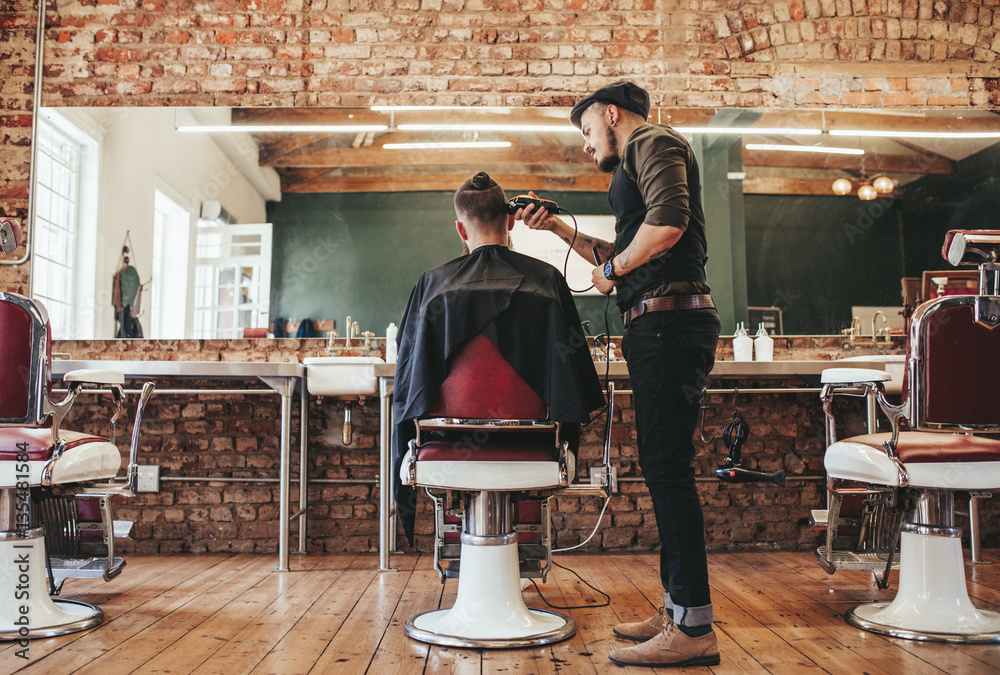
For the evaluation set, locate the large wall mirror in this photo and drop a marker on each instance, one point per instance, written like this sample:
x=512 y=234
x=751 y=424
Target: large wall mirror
x=235 y=218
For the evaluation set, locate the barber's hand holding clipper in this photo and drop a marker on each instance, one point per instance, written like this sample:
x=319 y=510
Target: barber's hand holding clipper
x=590 y=248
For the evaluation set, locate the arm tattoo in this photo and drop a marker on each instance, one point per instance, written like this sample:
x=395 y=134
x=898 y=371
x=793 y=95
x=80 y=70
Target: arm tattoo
x=660 y=254
x=626 y=258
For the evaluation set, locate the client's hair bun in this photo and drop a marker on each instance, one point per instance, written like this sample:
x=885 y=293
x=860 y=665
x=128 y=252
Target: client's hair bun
x=482 y=181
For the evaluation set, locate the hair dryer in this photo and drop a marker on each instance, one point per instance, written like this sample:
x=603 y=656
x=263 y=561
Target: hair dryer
x=735 y=434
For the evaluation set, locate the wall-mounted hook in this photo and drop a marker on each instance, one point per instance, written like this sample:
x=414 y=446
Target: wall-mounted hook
x=703 y=403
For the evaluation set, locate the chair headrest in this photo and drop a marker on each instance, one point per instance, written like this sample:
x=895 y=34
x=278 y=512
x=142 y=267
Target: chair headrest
x=10 y=234
x=971 y=247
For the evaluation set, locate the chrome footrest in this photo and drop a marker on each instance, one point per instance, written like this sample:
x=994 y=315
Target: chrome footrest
x=852 y=560
x=87 y=568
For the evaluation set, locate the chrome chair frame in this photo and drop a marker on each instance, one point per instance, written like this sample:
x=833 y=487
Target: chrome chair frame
x=19 y=516
x=906 y=511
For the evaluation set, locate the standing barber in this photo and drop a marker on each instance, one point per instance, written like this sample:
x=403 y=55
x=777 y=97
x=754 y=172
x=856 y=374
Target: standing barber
x=657 y=266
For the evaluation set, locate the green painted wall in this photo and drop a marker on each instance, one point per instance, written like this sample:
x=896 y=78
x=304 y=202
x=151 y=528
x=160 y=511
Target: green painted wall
x=360 y=254
x=817 y=256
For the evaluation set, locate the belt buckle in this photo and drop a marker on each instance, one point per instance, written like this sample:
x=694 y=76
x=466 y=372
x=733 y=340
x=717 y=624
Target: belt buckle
x=638 y=309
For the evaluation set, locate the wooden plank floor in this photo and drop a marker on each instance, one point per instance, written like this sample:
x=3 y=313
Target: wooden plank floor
x=776 y=612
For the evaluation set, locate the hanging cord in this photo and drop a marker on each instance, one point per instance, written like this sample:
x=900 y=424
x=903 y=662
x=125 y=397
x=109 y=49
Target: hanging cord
x=736 y=432
x=607 y=598
x=599 y=518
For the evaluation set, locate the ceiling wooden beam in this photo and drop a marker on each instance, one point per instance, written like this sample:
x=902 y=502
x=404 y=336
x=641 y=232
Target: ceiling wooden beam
x=376 y=156
x=294 y=181
x=916 y=163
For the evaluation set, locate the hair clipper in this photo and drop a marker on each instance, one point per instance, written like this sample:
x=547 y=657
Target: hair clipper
x=520 y=201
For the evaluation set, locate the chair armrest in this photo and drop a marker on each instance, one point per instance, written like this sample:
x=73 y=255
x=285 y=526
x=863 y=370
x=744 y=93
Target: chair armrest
x=853 y=376
x=95 y=376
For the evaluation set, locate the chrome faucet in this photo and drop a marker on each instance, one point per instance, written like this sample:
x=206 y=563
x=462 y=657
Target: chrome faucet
x=329 y=343
x=884 y=321
x=855 y=329
x=350 y=331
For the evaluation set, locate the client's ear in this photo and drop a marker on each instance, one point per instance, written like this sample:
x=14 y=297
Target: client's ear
x=510 y=222
x=462 y=232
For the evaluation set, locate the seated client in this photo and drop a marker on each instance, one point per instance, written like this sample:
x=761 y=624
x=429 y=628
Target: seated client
x=519 y=303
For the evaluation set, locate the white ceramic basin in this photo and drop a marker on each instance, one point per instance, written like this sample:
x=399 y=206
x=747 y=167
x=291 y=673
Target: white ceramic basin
x=894 y=366
x=341 y=375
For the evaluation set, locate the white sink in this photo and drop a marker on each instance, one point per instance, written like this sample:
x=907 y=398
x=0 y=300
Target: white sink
x=341 y=375
x=895 y=364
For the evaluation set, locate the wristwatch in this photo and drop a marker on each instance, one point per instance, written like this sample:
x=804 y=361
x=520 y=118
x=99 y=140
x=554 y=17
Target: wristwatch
x=609 y=272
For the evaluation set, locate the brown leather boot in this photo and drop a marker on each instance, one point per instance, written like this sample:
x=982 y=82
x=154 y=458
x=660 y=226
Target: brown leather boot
x=670 y=648
x=645 y=630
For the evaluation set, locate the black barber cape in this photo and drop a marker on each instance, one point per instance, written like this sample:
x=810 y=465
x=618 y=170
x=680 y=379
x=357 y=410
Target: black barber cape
x=524 y=307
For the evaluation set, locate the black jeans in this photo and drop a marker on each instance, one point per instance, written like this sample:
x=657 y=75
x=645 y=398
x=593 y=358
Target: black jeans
x=669 y=355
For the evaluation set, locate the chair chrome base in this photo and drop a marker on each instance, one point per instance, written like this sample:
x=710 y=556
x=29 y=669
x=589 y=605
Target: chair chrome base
x=489 y=611
x=933 y=602
x=866 y=617
x=427 y=627
x=23 y=581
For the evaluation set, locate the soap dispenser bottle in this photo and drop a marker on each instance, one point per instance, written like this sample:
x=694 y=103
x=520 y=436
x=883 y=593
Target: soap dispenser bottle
x=390 y=343
x=763 y=345
x=742 y=345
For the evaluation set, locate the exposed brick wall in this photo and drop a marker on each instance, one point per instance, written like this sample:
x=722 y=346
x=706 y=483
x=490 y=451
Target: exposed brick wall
x=236 y=436
x=702 y=53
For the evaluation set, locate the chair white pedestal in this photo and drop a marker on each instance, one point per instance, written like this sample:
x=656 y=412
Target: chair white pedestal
x=489 y=610
x=932 y=602
x=27 y=610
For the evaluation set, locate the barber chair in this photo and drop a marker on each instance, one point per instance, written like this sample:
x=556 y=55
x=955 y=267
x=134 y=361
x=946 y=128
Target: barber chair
x=56 y=486
x=490 y=458
x=905 y=481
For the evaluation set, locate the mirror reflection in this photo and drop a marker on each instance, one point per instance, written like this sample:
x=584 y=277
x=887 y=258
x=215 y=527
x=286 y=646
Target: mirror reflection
x=206 y=222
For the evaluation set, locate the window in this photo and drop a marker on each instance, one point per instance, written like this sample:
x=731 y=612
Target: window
x=65 y=212
x=171 y=253
x=542 y=245
x=232 y=279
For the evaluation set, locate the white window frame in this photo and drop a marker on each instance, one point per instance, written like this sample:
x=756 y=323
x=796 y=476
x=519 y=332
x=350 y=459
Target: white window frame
x=209 y=303
x=170 y=279
x=71 y=309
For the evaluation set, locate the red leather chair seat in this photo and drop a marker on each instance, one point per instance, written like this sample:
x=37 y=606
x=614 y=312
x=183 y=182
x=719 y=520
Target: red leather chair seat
x=39 y=442
x=924 y=447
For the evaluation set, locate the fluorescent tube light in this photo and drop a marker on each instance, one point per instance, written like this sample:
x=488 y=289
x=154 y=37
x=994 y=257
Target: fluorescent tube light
x=804 y=148
x=446 y=146
x=392 y=108
x=285 y=128
x=560 y=128
x=915 y=134
x=764 y=131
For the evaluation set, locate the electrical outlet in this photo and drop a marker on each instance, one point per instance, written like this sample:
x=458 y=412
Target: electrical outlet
x=149 y=478
x=595 y=477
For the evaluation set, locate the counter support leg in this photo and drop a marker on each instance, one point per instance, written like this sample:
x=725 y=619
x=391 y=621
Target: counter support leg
x=303 y=465
x=385 y=518
x=285 y=386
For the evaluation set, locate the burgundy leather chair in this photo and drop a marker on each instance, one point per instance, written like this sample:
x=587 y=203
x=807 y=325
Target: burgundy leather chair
x=56 y=486
x=491 y=459
x=906 y=479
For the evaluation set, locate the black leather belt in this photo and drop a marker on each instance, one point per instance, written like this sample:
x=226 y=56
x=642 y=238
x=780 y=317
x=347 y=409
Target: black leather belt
x=664 y=303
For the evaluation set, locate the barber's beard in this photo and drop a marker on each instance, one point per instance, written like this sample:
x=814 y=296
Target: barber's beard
x=609 y=163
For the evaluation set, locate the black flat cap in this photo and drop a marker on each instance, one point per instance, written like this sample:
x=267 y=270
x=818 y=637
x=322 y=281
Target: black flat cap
x=627 y=95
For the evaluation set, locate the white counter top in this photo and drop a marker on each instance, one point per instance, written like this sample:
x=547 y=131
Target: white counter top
x=190 y=369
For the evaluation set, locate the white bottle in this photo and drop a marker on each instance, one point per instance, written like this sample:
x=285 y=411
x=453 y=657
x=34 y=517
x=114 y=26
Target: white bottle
x=742 y=345
x=390 y=343
x=763 y=345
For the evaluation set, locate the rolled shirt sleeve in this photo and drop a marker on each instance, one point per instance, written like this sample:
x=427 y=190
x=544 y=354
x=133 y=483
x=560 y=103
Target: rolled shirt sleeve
x=659 y=165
